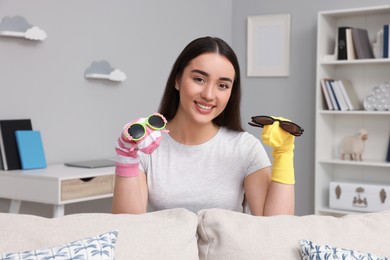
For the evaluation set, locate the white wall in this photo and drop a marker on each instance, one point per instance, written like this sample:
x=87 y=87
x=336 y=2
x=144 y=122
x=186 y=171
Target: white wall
x=293 y=96
x=80 y=119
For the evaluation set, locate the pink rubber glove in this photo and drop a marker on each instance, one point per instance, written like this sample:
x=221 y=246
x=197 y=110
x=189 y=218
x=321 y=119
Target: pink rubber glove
x=127 y=150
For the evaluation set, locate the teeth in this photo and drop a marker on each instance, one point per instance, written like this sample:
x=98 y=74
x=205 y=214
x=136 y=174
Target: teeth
x=204 y=107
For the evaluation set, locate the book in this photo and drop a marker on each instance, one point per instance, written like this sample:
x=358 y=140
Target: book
x=362 y=43
x=377 y=45
x=8 y=146
x=332 y=95
x=342 y=43
x=326 y=95
x=388 y=152
x=1 y=161
x=30 y=147
x=354 y=102
x=339 y=95
x=345 y=95
x=350 y=45
x=386 y=36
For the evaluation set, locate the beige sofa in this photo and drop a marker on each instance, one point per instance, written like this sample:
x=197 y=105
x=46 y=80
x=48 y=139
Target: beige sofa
x=212 y=234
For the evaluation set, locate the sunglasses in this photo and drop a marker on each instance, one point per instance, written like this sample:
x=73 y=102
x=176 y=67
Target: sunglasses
x=137 y=131
x=290 y=127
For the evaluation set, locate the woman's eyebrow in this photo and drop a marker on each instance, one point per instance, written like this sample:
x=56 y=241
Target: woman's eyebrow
x=206 y=75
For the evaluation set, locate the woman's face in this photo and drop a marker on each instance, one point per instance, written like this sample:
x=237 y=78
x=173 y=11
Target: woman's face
x=205 y=87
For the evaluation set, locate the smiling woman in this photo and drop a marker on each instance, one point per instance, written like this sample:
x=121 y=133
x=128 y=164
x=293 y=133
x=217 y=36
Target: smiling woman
x=204 y=158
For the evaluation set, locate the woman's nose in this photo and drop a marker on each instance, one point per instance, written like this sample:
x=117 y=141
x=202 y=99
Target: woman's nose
x=208 y=92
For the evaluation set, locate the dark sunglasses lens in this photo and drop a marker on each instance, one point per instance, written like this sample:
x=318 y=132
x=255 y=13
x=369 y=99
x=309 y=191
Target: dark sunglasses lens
x=136 y=131
x=290 y=127
x=156 y=121
x=263 y=120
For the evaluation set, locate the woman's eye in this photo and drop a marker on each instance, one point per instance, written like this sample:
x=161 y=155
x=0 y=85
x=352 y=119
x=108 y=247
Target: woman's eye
x=224 y=86
x=198 y=79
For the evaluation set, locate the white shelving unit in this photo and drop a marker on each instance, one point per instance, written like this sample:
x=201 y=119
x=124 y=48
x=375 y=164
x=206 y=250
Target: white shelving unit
x=332 y=126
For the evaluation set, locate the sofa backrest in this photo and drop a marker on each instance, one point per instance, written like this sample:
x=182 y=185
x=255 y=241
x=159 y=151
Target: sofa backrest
x=212 y=234
x=232 y=235
x=169 y=234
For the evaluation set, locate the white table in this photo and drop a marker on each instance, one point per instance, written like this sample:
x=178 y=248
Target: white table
x=57 y=185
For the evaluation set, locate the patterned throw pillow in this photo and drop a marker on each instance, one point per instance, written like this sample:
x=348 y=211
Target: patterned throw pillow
x=96 y=247
x=310 y=250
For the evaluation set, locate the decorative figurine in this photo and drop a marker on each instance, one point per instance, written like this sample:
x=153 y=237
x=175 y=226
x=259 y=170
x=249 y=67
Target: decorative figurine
x=353 y=146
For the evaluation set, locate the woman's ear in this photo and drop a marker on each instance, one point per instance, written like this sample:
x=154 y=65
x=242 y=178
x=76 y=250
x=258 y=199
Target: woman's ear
x=177 y=84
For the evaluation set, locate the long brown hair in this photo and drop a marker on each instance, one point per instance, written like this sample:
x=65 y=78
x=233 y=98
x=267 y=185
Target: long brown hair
x=231 y=116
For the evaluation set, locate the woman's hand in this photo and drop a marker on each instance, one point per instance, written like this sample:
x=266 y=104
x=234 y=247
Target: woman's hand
x=142 y=134
x=283 y=154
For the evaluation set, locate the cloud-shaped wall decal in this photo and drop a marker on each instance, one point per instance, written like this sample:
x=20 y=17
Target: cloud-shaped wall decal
x=35 y=33
x=103 y=70
x=117 y=75
x=18 y=26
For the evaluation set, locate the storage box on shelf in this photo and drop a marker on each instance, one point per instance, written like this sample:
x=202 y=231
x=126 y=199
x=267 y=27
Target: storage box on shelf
x=359 y=196
x=332 y=126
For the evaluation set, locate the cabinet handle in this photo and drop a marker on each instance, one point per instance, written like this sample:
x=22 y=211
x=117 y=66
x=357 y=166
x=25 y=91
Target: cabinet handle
x=338 y=191
x=87 y=179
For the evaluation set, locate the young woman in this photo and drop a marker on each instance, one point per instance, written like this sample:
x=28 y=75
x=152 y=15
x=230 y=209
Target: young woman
x=206 y=160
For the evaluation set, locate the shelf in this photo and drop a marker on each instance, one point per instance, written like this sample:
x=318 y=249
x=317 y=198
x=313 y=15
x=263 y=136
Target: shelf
x=333 y=126
x=355 y=112
x=357 y=61
x=337 y=212
x=356 y=163
x=357 y=11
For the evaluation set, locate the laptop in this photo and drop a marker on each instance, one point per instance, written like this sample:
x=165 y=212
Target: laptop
x=91 y=164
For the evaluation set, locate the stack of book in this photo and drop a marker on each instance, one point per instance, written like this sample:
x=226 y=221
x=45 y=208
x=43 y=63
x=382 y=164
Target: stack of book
x=340 y=95
x=20 y=146
x=353 y=43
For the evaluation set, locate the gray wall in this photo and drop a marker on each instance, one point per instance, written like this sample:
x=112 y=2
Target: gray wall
x=79 y=118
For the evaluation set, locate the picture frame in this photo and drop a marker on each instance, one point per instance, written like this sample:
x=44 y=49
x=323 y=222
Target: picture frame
x=268 y=45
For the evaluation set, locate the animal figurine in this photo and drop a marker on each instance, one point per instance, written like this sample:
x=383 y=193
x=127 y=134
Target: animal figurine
x=353 y=146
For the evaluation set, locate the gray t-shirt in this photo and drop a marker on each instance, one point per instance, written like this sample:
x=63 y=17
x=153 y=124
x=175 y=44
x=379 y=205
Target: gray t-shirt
x=209 y=175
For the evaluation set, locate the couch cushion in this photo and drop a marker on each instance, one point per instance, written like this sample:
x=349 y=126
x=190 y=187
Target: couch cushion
x=168 y=234
x=100 y=247
x=232 y=235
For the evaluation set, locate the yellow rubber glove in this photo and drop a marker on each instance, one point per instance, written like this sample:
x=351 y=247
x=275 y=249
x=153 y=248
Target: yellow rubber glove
x=283 y=152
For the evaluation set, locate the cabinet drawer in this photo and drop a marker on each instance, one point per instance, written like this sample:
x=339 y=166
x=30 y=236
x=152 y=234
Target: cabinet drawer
x=85 y=187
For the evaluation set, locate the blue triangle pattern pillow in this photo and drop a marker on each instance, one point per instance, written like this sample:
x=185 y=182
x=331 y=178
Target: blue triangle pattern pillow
x=310 y=250
x=100 y=247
